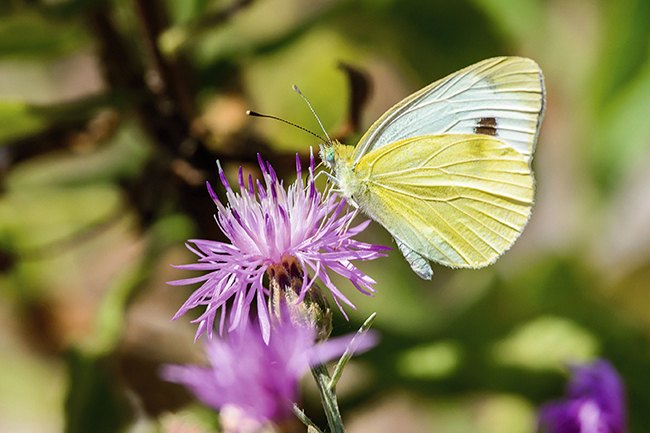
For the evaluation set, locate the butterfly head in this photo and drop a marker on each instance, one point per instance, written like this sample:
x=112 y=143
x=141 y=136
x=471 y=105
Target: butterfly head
x=338 y=158
x=328 y=155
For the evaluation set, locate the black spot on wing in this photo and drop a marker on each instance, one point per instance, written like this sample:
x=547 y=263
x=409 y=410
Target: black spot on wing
x=486 y=126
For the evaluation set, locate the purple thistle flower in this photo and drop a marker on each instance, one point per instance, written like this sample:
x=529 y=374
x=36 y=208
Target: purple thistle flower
x=259 y=379
x=263 y=228
x=595 y=403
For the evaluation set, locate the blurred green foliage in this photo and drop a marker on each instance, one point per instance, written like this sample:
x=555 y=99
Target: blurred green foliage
x=104 y=103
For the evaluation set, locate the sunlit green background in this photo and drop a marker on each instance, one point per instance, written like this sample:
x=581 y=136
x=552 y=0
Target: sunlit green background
x=84 y=309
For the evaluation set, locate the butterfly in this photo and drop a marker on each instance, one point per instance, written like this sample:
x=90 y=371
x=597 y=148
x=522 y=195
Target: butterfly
x=447 y=170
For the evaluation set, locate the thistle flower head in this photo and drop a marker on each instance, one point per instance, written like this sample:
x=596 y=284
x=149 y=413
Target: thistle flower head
x=266 y=223
x=595 y=403
x=259 y=380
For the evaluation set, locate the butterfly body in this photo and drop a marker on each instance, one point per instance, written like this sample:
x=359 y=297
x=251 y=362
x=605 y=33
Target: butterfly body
x=447 y=170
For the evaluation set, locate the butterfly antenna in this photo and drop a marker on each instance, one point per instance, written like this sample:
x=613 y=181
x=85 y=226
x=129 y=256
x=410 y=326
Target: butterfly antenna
x=256 y=114
x=329 y=140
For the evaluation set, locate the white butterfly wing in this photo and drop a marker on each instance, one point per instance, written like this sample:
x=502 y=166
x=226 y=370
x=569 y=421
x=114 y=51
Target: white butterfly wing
x=457 y=199
x=502 y=97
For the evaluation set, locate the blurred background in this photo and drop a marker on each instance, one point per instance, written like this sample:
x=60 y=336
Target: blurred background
x=112 y=114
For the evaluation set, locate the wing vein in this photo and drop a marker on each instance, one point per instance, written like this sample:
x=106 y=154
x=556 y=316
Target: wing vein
x=507 y=209
x=494 y=218
x=482 y=224
x=486 y=179
x=463 y=256
x=451 y=164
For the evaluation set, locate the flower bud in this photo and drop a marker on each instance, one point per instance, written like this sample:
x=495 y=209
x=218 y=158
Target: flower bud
x=286 y=282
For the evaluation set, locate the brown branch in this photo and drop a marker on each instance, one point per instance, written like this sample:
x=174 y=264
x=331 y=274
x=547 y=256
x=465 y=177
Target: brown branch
x=170 y=76
x=360 y=87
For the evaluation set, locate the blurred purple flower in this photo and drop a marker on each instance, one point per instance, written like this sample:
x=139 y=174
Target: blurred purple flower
x=259 y=379
x=263 y=228
x=595 y=403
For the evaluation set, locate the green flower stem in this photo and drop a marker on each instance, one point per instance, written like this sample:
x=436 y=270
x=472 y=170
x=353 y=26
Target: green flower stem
x=326 y=385
x=305 y=419
x=338 y=370
x=328 y=398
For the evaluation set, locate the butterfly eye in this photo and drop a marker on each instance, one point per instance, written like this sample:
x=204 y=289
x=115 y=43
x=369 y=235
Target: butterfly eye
x=327 y=155
x=330 y=155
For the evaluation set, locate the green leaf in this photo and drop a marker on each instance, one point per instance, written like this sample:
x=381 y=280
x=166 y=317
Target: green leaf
x=18 y=120
x=40 y=216
x=547 y=342
x=311 y=64
x=94 y=403
x=624 y=134
x=625 y=46
x=182 y=12
x=29 y=34
x=121 y=157
x=521 y=21
x=430 y=361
